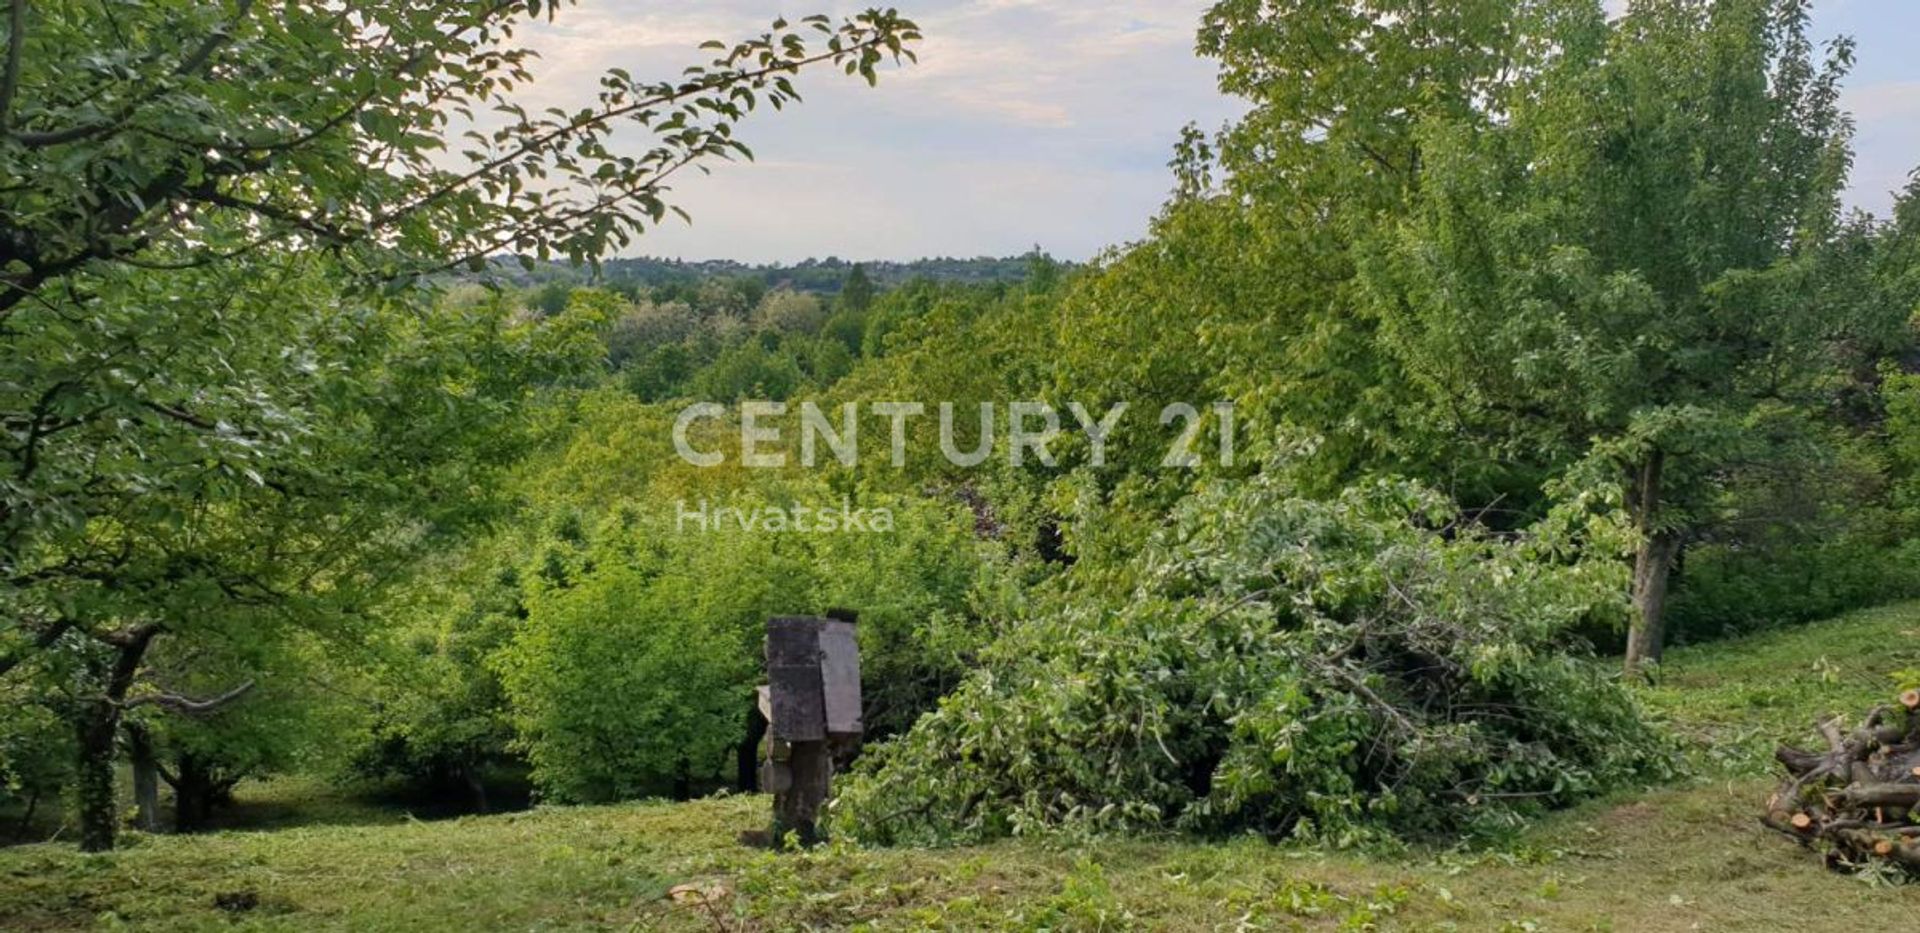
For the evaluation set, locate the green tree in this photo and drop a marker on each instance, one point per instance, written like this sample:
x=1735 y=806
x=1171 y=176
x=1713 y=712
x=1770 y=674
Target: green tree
x=323 y=126
x=215 y=425
x=786 y=311
x=250 y=504
x=1638 y=265
x=1485 y=243
x=856 y=293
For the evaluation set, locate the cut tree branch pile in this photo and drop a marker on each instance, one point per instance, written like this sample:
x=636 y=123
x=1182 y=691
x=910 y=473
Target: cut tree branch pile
x=1855 y=801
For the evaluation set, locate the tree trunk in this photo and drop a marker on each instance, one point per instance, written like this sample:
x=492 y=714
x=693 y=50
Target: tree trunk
x=192 y=795
x=683 y=782
x=1652 y=568
x=476 y=788
x=747 y=778
x=96 y=724
x=26 y=819
x=146 y=778
x=1652 y=572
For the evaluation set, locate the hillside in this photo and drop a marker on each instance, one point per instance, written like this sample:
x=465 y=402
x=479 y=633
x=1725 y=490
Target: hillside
x=1689 y=858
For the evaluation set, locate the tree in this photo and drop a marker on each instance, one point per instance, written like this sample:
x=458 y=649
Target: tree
x=633 y=668
x=223 y=407
x=1639 y=264
x=1486 y=243
x=269 y=492
x=786 y=311
x=856 y=293
x=323 y=126
x=304 y=707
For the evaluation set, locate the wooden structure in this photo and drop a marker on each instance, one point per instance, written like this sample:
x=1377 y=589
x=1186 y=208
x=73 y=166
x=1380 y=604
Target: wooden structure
x=812 y=705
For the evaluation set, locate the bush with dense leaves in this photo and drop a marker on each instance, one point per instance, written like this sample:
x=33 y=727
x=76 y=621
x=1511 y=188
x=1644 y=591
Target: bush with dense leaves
x=1336 y=669
x=633 y=671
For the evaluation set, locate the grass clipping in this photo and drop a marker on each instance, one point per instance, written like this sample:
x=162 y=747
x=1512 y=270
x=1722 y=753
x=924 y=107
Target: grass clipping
x=1337 y=670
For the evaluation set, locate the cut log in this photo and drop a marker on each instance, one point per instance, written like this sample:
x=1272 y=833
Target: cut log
x=1903 y=796
x=1910 y=699
x=1798 y=762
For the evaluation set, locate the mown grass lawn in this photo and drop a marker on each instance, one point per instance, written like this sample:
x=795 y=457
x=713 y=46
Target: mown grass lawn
x=1685 y=858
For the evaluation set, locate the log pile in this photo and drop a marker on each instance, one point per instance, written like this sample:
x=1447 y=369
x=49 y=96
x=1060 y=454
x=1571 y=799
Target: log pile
x=1857 y=801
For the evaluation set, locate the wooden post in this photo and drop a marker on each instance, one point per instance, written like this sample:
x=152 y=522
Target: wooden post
x=812 y=706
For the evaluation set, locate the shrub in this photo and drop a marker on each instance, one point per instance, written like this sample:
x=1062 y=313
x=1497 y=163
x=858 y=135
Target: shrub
x=633 y=671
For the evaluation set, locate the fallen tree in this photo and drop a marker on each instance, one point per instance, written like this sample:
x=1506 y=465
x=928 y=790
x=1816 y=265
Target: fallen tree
x=1854 y=802
x=1337 y=670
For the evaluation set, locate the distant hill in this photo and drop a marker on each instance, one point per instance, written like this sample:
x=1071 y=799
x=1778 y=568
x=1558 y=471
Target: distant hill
x=823 y=276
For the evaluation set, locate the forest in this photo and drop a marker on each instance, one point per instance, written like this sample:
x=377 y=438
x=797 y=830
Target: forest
x=1503 y=447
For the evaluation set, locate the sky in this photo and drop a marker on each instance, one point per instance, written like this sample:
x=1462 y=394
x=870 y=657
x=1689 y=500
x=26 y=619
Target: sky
x=1026 y=122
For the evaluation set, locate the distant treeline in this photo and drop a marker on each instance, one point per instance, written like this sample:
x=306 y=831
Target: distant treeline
x=820 y=276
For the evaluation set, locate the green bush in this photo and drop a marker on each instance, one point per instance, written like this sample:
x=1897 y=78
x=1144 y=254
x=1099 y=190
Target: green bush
x=1335 y=670
x=633 y=671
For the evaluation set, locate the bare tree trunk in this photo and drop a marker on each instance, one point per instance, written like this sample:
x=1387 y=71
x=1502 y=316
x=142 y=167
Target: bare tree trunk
x=26 y=819
x=146 y=778
x=1652 y=568
x=747 y=780
x=1652 y=572
x=192 y=794
x=476 y=788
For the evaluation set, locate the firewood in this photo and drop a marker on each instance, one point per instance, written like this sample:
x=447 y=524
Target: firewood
x=1830 y=730
x=1857 y=803
x=1905 y=796
x=1798 y=762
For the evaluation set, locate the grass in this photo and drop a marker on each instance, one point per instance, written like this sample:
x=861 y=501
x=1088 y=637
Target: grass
x=1735 y=700
x=1686 y=858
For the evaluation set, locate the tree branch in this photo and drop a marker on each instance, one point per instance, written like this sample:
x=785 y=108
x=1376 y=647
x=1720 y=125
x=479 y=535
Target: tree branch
x=187 y=706
x=194 y=62
x=41 y=642
x=600 y=118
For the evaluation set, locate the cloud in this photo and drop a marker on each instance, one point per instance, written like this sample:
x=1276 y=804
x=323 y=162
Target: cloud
x=1025 y=121
x=1886 y=143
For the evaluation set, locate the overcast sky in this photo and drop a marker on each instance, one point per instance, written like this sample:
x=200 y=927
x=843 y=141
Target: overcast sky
x=1027 y=122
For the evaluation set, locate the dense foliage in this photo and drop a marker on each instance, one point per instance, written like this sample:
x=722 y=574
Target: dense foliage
x=1287 y=665
x=633 y=673
x=317 y=459
x=231 y=421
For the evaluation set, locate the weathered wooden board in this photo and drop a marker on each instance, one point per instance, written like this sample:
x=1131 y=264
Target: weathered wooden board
x=840 y=677
x=793 y=679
